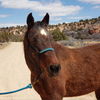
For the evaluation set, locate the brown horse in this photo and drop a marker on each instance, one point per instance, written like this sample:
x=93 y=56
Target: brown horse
x=58 y=71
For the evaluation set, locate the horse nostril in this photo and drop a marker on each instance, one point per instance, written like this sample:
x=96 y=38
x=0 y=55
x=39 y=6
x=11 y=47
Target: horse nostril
x=54 y=69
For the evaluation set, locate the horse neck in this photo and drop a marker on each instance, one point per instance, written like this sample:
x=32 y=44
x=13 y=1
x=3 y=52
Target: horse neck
x=61 y=51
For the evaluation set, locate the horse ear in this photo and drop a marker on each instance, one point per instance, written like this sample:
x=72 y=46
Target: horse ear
x=30 y=20
x=46 y=19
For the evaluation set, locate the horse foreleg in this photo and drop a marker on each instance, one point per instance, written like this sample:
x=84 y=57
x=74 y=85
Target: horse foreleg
x=97 y=92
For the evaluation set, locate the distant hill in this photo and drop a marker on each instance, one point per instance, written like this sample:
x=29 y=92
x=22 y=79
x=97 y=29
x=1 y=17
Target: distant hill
x=75 y=26
x=84 y=29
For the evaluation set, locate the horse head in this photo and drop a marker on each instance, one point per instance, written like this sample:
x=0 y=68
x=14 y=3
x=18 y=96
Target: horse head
x=41 y=45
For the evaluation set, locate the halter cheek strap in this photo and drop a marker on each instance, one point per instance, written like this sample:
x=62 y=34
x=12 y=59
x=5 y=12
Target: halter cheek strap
x=45 y=50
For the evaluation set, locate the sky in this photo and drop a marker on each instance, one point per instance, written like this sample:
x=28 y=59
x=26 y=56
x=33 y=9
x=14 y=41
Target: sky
x=14 y=12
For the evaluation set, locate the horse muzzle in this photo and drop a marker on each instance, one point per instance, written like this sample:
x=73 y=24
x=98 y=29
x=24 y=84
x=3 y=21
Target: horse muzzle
x=54 y=69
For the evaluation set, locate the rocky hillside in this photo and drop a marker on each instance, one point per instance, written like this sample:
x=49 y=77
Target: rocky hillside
x=84 y=29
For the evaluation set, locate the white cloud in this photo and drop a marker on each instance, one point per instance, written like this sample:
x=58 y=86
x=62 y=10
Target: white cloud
x=55 y=8
x=79 y=17
x=91 y=1
x=9 y=24
x=97 y=7
x=3 y=16
x=54 y=18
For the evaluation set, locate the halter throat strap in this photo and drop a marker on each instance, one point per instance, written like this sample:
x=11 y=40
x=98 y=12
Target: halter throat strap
x=45 y=50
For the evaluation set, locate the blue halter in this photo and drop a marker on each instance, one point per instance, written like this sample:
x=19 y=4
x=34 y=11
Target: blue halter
x=45 y=50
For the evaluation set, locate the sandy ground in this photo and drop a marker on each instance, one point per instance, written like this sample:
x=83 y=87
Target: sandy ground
x=14 y=74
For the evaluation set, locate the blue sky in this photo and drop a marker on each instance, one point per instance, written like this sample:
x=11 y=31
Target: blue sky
x=14 y=12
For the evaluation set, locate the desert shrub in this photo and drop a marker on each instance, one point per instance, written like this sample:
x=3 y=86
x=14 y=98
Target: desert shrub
x=58 y=35
x=82 y=35
x=81 y=20
x=5 y=37
x=80 y=29
x=15 y=38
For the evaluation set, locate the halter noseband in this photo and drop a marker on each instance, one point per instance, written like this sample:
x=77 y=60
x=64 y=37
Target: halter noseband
x=42 y=51
x=45 y=50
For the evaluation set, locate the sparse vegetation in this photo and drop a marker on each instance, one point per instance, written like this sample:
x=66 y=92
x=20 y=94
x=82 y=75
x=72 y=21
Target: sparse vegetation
x=59 y=32
x=5 y=37
x=58 y=35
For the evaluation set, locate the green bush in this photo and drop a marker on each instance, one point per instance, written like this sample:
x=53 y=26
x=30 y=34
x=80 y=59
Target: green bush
x=58 y=35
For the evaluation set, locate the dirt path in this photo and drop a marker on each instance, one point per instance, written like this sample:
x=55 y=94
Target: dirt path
x=14 y=74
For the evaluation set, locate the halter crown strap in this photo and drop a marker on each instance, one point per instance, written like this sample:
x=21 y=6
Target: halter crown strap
x=45 y=50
